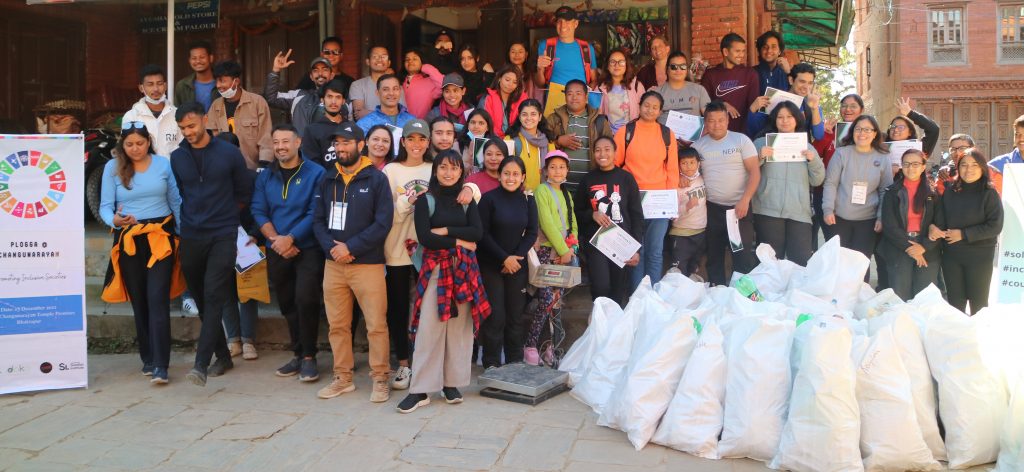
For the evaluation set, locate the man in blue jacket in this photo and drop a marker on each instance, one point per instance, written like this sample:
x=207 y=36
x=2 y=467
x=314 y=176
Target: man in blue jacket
x=214 y=183
x=352 y=215
x=282 y=206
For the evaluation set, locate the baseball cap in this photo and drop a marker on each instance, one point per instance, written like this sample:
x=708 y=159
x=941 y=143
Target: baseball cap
x=452 y=78
x=320 y=60
x=556 y=154
x=565 y=12
x=416 y=127
x=443 y=32
x=348 y=130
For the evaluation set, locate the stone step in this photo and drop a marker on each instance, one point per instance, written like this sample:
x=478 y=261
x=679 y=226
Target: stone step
x=106 y=321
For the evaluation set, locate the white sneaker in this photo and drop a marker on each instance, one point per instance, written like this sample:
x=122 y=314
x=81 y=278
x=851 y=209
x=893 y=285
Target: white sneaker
x=189 y=306
x=235 y=348
x=402 y=378
x=249 y=352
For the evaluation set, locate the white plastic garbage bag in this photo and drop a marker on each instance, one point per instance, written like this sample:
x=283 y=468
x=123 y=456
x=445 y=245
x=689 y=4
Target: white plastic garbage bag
x=609 y=361
x=643 y=394
x=875 y=305
x=581 y=354
x=773 y=276
x=805 y=303
x=890 y=439
x=972 y=400
x=802 y=334
x=1011 y=442
x=681 y=291
x=694 y=418
x=911 y=352
x=822 y=428
x=757 y=386
x=835 y=273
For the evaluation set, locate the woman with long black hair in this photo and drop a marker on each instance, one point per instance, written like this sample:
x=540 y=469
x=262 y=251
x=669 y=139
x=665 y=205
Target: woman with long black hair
x=531 y=140
x=503 y=99
x=510 y=225
x=476 y=76
x=450 y=298
x=140 y=200
x=971 y=218
x=908 y=210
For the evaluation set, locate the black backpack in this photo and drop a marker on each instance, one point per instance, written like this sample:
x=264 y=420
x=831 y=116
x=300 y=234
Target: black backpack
x=666 y=136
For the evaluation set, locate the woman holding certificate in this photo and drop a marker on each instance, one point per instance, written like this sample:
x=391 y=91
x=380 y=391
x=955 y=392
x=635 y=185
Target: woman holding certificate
x=855 y=181
x=607 y=196
x=789 y=167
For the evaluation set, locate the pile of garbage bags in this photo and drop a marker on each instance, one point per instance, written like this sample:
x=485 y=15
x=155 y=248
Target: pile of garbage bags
x=807 y=369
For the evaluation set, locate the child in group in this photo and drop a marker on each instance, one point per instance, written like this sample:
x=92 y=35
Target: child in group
x=687 y=231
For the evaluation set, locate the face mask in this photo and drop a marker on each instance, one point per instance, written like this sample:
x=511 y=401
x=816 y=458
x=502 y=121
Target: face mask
x=162 y=99
x=229 y=93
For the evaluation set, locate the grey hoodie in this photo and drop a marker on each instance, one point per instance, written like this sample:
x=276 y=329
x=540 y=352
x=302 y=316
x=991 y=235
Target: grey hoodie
x=784 y=189
x=848 y=166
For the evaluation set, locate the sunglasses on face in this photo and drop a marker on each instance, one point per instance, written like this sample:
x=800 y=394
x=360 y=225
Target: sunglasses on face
x=677 y=67
x=330 y=52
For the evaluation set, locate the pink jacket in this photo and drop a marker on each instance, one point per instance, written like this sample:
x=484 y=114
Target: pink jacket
x=492 y=105
x=634 y=93
x=420 y=92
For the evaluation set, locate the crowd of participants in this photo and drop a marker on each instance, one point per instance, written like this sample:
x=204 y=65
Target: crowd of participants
x=413 y=199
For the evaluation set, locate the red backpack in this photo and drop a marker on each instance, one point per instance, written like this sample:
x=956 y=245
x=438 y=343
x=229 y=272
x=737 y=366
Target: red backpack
x=551 y=44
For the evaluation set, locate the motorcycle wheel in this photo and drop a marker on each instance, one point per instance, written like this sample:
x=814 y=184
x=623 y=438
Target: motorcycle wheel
x=92 y=192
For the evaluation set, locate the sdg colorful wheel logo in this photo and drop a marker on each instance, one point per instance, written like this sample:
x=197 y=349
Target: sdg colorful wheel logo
x=32 y=184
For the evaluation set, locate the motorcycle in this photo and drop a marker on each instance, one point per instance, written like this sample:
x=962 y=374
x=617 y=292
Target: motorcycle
x=99 y=148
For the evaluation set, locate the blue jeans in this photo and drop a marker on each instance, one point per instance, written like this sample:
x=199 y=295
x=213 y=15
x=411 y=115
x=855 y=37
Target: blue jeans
x=240 y=321
x=651 y=256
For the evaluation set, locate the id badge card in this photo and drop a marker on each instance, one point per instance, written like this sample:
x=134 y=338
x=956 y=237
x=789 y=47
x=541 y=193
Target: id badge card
x=339 y=213
x=860 y=193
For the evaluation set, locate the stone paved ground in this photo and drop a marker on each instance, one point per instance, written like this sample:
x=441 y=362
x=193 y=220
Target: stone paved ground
x=252 y=420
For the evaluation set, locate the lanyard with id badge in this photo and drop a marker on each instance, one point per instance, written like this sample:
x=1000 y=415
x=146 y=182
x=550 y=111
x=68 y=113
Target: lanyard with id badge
x=339 y=211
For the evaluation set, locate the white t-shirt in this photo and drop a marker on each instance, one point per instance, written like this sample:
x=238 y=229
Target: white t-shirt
x=722 y=168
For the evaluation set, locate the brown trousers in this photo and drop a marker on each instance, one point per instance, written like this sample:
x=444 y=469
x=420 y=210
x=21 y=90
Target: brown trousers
x=344 y=284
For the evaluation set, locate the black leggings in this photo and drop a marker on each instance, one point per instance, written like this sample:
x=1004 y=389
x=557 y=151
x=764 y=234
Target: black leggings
x=398 y=280
x=606 y=278
x=858 y=235
x=968 y=274
x=149 y=291
x=790 y=239
x=503 y=329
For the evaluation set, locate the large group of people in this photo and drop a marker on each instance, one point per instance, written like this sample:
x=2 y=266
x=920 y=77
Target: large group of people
x=415 y=200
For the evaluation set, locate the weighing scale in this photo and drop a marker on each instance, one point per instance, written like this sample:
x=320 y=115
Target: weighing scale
x=523 y=383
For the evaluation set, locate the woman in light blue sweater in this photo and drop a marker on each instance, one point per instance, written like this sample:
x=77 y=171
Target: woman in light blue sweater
x=782 y=206
x=139 y=199
x=857 y=177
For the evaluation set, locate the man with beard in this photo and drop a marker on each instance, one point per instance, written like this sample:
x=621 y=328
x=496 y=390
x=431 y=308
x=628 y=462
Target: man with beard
x=303 y=104
x=352 y=215
x=214 y=183
x=295 y=264
x=317 y=141
x=243 y=113
x=363 y=92
x=154 y=110
x=199 y=85
x=330 y=49
x=732 y=82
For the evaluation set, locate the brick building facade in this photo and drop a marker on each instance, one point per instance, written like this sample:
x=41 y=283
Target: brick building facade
x=962 y=63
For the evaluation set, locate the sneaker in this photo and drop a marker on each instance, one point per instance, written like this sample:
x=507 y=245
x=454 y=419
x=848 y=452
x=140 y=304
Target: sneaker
x=249 y=351
x=189 y=306
x=289 y=369
x=402 y=378
x=336 y=388
x=308 y=371
x=412 y=402
x=197 y=376
x=381 y=391
x=452 y=395
x=220 y=366
x=159 y=376
x=235 y=348
x=147 y=370
x=531 y=356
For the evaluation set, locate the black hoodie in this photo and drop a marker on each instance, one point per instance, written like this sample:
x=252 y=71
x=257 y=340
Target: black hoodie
x=215 y=184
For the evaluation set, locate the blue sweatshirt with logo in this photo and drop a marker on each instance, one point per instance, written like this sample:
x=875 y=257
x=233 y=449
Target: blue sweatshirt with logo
x=288 y=203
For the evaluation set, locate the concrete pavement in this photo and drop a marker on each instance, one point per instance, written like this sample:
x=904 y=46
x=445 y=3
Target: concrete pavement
x=252 y=420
